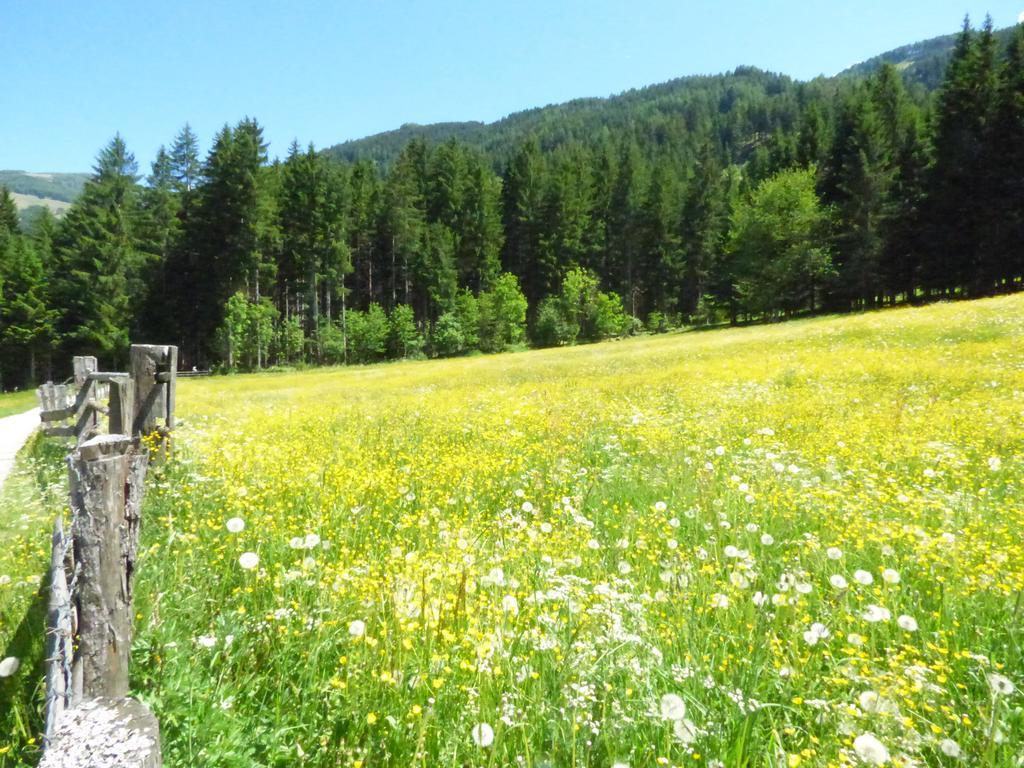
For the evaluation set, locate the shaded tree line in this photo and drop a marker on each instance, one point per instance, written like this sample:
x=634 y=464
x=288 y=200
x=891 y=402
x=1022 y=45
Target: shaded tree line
x=748 y=197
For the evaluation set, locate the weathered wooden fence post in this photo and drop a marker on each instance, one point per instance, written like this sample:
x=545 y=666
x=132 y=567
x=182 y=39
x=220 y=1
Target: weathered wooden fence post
x=106 y=477
x=89 y=420
x=153 y=370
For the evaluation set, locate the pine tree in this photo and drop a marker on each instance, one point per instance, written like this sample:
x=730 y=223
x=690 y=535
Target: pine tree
x=100 y=279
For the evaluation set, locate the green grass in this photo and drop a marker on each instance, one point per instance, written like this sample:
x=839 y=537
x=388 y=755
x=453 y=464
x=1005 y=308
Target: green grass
x=807 y=535
x=17 y=402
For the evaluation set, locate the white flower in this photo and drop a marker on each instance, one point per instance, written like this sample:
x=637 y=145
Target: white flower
x=767 y=539
x=863 y=577
x=494 y=578
x=994 y=463
x=876 y=613
x=296 y=542
x=235 y=525
x=837 y=581
x=672 y=707
x=509 y=604
x=1001 y=686
x=674 y=522
x=310 y=541
x=9 y=666
x=672 y=544
x=660 y=506
x=594 y=544
x=870 y=749
x=357 y=628
x=760 y=598
x=868 y=701
x=685 y=731
x=731 y=551
x=855 y=640
x=949 y=748
x=483 y=735
x=249 y=560
x=527 y=507
x=718 y=600
x=907 y=623
x=834 y=553
x=546 y=528
x=625 y=568
x=817 y=632
x=890 y=576
x=620 y=765
x=720 y=450
x=207 y=641
x=803 y=588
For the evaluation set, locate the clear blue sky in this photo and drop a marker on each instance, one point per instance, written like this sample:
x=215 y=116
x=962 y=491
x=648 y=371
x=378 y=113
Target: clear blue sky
x=75 y=72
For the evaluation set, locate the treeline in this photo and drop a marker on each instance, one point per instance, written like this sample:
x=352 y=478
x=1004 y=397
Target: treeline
x=746 y=197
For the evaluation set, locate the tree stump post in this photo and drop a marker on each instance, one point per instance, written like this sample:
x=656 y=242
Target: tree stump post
x=106 y=492
x=105 y=733
x=90 y=421
x=153 y=372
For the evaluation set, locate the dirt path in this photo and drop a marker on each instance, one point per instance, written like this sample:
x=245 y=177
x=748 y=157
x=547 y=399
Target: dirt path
x=14 y=431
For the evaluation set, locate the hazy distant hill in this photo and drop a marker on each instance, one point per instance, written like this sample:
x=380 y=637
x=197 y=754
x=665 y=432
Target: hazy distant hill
x=922 y=63
x=33 y=191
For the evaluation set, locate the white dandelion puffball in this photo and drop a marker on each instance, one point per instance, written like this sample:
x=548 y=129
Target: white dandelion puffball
x=527 y=507
x=760 y=598
x=890 y=576
x=620 y=765
x=684 y=731
x=720 y=450
x=9 y=666
x=817 y=632
x=870 y=749
x=907 y=623
x=357 y=628
x=207 y=641
x=660 y=506
x=483 y=735
x=672 y=707
x=767 y=539
x=311 y=541
x=868 y=701
x=837 y=581
x=509 y=604
x=235 y=525
x=1000 y=685
x=949 y=748
x=876 y=613
x=863 y=577
x=834 y=553
x=249 y=560
x=994 y=463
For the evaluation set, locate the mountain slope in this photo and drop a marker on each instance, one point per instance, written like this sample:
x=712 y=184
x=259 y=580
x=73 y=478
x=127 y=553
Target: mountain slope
x=921 y=63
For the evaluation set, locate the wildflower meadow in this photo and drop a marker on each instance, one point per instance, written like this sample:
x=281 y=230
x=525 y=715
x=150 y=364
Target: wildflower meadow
x=792 y=545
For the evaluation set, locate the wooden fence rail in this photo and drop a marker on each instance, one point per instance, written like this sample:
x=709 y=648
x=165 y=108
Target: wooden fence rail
x=90 y=719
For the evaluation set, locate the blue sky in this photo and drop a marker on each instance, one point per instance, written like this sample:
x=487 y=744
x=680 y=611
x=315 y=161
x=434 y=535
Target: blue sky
x=74 y=73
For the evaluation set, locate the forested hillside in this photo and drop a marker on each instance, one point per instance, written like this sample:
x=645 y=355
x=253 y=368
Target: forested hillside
x=738 y=197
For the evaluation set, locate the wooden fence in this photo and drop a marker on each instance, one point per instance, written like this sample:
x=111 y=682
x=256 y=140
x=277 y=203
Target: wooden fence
x=90 y=719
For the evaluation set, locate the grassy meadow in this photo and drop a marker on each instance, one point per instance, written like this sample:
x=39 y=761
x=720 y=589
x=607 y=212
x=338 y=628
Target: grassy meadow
x=17 y=402
x=790 y=545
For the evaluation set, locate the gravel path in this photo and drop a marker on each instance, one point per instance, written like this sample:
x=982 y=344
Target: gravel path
x=14 y=431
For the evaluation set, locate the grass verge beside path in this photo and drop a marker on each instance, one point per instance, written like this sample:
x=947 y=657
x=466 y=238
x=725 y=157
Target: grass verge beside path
x=16 y=402
x=29 y=500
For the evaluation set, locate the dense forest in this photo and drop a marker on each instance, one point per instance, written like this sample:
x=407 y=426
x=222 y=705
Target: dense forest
x=731 y=198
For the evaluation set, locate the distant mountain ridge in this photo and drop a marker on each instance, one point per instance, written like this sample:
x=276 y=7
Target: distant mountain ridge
x=63 y=187
x=922 y=64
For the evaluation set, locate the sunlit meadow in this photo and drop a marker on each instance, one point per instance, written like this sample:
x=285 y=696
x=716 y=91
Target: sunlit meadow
x=791 y=545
